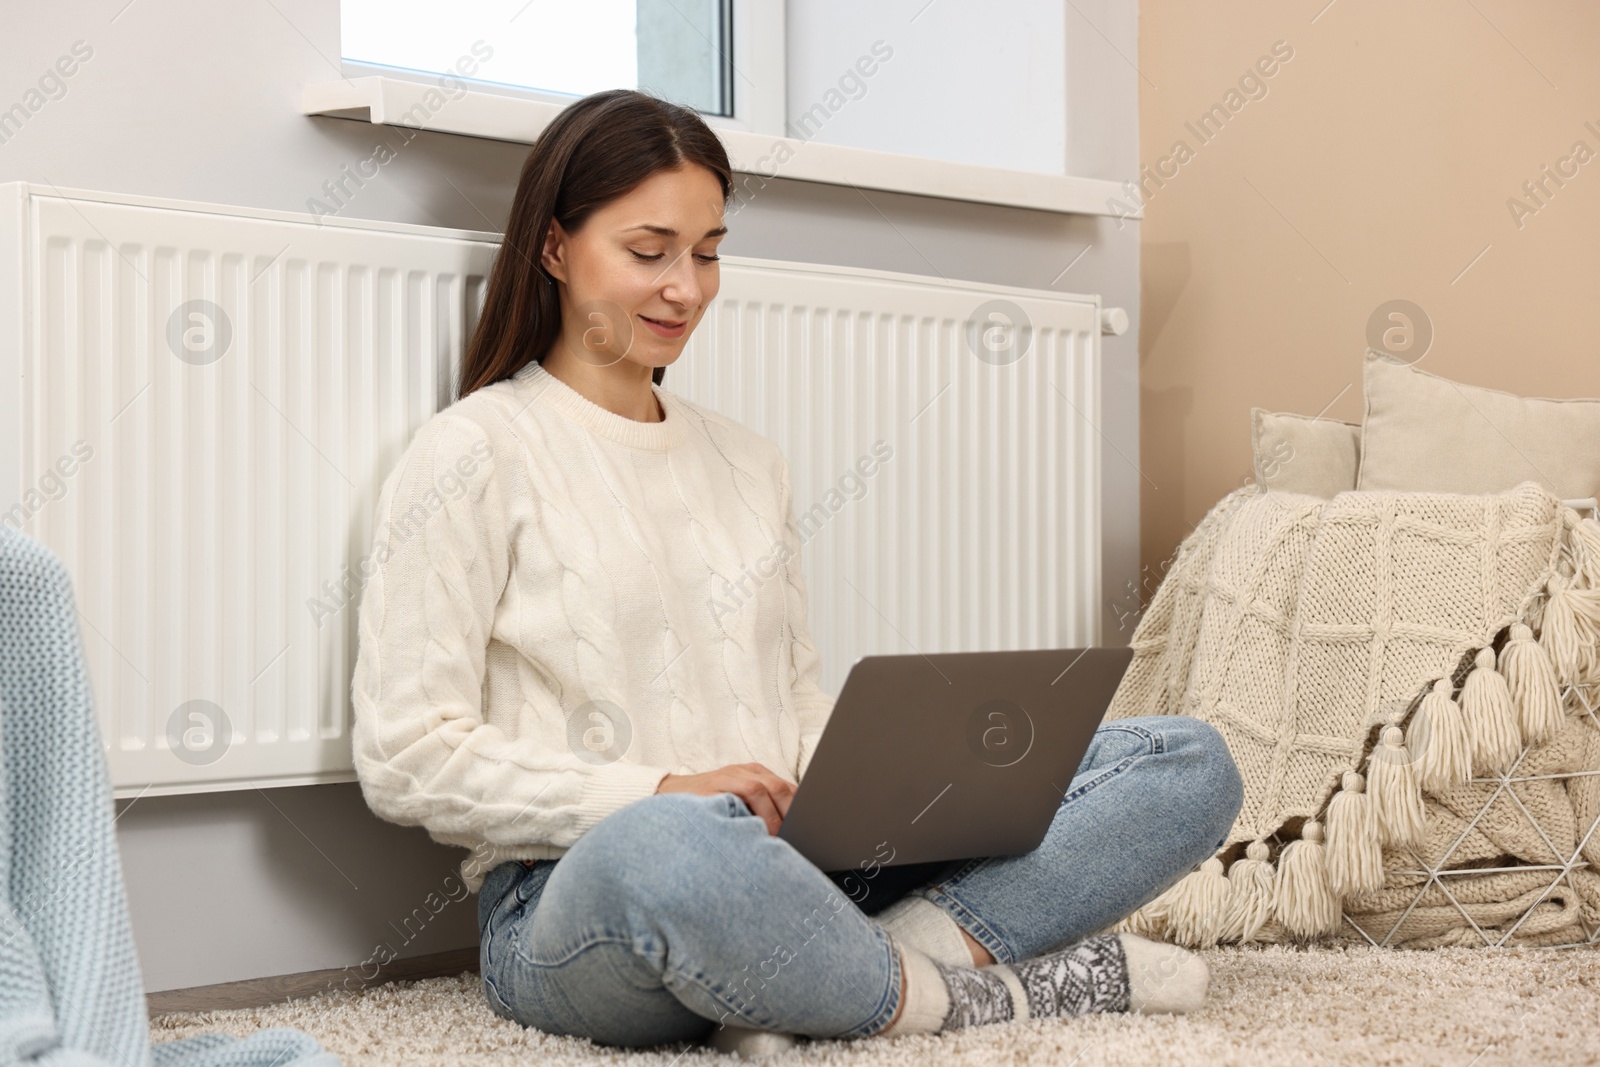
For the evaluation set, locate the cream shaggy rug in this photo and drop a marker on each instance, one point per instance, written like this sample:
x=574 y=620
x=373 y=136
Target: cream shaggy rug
x=1267 y=1005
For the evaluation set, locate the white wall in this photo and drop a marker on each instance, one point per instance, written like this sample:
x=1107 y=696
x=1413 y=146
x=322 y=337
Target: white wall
x=974 y=83
x=183 y=98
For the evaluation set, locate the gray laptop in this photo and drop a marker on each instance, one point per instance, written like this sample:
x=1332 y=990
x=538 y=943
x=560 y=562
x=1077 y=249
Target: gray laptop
x=950 y=755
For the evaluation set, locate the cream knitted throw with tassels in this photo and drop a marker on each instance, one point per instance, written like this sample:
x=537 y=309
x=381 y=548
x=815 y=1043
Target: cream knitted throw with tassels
x=1371 y=659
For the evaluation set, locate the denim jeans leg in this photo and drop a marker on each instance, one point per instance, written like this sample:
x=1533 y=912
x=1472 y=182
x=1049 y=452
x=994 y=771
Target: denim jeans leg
x=678 y=912
x=1154 y=796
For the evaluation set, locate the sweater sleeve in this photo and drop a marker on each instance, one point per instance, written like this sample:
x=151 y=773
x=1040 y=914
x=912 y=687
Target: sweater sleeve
x=813 y=704
x=446 y=523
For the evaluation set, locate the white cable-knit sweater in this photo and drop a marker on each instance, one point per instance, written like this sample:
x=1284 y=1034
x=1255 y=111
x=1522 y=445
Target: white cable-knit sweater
x=565 y=605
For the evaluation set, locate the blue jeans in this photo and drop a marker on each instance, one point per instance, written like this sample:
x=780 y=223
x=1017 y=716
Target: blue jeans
x=680 y=911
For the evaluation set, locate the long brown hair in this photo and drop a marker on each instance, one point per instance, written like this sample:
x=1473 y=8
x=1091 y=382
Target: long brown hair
x=596 y=150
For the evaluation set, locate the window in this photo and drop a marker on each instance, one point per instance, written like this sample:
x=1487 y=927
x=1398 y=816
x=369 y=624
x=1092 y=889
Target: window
x=522 y=61
x=681 y=50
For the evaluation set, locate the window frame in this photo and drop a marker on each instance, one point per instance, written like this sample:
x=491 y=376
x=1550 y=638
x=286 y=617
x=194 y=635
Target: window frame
x=758 y=44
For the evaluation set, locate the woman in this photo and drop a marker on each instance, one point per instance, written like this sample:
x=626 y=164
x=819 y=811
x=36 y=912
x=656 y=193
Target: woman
x=573 y=662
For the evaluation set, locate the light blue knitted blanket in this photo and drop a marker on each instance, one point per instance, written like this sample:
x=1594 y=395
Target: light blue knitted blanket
x=71 y=992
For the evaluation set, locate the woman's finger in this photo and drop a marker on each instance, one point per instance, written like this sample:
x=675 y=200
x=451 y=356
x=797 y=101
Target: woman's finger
x=756 y=799
x=778 y=789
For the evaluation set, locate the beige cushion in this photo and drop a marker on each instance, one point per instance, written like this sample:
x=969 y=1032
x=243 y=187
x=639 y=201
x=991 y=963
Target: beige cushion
x=1303 y=454
x=1430 y=434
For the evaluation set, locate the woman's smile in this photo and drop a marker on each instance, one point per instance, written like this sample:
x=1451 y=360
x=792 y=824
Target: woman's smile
x=666 y=327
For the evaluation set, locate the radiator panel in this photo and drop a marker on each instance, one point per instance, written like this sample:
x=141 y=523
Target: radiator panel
x=983 y=530
x=209 y=484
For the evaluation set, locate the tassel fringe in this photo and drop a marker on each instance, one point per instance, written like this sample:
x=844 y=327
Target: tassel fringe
x=1571 y=629
x=1198 y=910
x=1491 y=719
x=1531 y=683
x=1397 y=809
x=1584 y=550
x=1250 y=895
x=1147 y=922
x=1302 y=898
x=1438 y=738
x=1354 y=855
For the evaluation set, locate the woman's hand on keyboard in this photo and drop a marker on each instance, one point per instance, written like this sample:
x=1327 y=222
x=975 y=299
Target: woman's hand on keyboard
x=762 y=791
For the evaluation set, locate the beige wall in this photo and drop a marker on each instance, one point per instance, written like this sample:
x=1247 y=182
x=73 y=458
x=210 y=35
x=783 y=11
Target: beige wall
x=1377 y=166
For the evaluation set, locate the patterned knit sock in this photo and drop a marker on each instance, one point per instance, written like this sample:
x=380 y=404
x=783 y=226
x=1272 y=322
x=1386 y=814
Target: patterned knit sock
x=1088 y=977
x=1105 y=973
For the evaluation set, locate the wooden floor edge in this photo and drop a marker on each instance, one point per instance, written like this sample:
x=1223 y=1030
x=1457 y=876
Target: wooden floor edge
x=262 y=992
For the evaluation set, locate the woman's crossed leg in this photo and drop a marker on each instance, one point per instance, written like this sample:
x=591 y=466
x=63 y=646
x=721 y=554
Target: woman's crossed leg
x=680 y=912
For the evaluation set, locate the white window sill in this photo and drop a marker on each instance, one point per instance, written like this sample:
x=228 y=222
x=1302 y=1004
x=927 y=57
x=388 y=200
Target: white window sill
x=396 y=102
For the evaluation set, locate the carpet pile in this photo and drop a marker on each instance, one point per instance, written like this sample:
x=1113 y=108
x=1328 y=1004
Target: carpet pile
x=1268 y=1004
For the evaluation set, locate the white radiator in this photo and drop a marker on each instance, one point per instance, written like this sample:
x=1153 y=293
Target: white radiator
x=199 y=403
